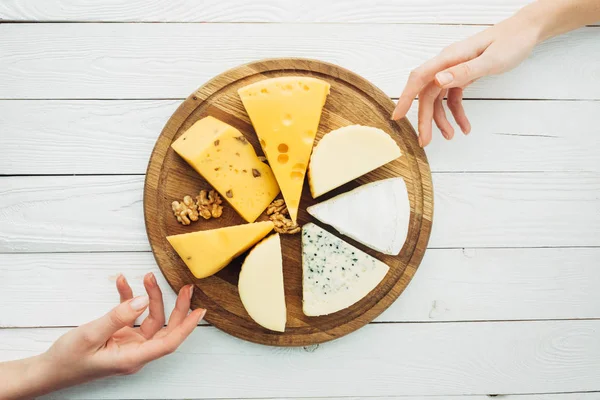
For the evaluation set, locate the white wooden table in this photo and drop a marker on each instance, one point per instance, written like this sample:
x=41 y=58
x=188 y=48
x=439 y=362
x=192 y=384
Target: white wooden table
x=507 y=298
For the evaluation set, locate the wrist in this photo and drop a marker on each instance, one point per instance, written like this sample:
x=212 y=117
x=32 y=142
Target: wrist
x=41 y=375
x=26 y=378
x=539 y=21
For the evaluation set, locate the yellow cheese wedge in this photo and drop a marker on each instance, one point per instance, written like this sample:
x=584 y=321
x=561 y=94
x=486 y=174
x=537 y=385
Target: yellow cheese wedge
x=346 y=153
x=207 y=252
x=285 y=113
x=261 y=284
x=223 y=156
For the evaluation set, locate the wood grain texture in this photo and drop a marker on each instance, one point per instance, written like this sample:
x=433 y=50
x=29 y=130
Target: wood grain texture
x=50 y=214
x=116 y=136
x=352 y=11
x=119 y=61
x=380 y=360
x=452 y=285
x=352 y=100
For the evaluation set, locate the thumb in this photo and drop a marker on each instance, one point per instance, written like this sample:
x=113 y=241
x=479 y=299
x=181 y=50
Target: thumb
x=460 y=75
x=119 y=317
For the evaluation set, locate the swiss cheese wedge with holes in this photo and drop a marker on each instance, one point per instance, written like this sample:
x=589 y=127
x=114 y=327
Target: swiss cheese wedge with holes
x=207 y=252
x=285 y=113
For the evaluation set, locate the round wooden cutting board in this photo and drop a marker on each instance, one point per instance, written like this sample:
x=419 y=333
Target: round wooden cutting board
x=353 y=100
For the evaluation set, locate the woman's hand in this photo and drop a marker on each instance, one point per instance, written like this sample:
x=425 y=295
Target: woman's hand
x=110 y=345
x=495 y=50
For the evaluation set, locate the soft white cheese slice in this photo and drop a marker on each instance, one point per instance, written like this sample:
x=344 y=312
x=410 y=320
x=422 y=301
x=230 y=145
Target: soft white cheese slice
x=335 y=275
x=376 y=214
x=346 y=153
x=261 y=284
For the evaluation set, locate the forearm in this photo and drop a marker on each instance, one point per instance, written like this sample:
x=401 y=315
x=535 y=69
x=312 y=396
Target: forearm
x=27 y=378
x=555 y=17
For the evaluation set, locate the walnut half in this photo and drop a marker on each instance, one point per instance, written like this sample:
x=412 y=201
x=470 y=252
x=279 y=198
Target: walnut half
x=209 y=204
x=186 y=211
x=279 y=215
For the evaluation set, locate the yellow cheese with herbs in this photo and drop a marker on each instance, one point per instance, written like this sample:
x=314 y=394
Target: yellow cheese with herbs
x=207 y=252
x=223 y=156
x=285 y=112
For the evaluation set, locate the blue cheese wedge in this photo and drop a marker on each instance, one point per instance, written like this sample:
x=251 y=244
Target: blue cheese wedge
x=376 y=215
x=335 y=275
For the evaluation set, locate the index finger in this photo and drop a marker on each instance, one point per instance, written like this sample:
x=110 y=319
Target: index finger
x=424 y=74
x=418 y=79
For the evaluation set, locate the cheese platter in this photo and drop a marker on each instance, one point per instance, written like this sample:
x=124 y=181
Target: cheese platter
x=307 y=149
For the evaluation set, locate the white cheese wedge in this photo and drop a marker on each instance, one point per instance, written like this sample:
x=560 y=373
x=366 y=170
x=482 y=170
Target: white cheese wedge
x=335 y=275
x=376 y=214
x=345 y=154
x=261 y=284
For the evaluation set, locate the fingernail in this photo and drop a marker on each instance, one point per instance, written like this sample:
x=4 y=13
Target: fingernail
x=420 y=142
x=444 y=78
x=395 y=114
x=153 y=279
x=191 y=292
x=202 y=314
x=139 y=303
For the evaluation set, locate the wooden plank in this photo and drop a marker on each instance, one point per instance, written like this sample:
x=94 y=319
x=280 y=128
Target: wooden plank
x=171 y=60
x=104 y=213
x=353 y=11
x=544 y=396
x=379 y=360
x=450 y=285
x=116 y=136
x=80 y=137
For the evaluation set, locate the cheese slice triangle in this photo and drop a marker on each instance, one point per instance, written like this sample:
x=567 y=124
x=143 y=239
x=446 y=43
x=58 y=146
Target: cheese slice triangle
x=346 y=153
x=261 y=284
x=335 y=274
x=207 y=252
x=285 y=113
x=376 y=214
x=223 y=156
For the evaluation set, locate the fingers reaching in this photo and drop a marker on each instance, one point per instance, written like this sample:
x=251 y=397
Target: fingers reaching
x=182 y=306
x=156 y=316
x=455 y=105
x=418 y=80
x=426 y=105
x=125 y=314
x=439 y=116
x=125 y=292
x=158 y=347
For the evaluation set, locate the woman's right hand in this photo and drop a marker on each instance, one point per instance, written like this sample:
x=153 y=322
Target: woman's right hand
x=495 y=50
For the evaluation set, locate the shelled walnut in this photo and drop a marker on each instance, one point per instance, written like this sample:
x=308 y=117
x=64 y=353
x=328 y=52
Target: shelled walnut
x=186 y=211
x=279 y=215
x=209 y=204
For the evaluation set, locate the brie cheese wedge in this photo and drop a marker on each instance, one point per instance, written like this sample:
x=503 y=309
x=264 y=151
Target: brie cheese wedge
x=376 y=214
